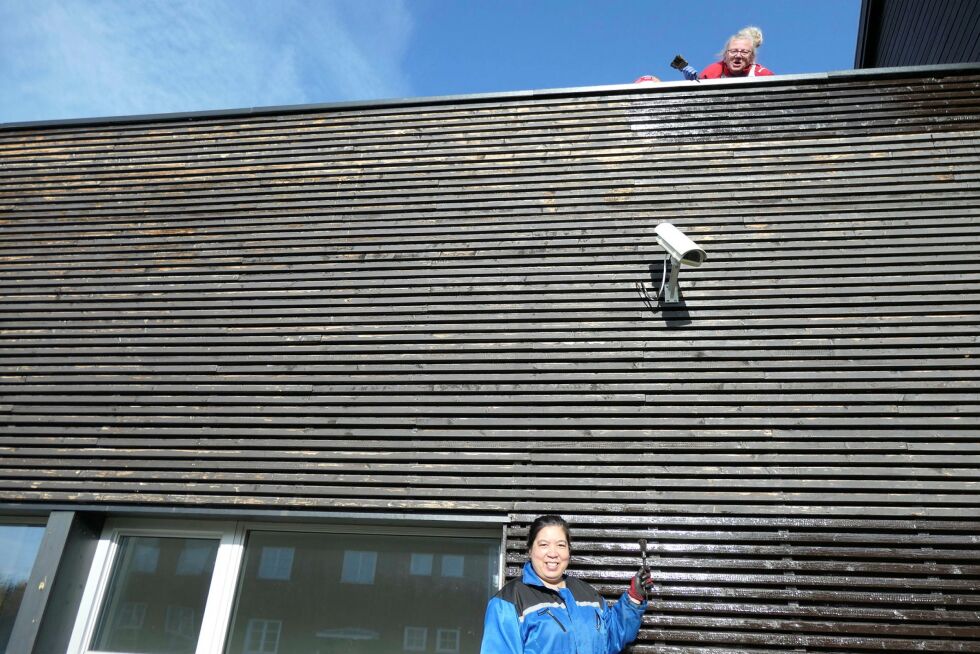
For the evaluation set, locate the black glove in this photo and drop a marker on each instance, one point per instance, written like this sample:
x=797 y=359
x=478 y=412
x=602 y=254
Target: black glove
x=680 y=63
x=640 y=585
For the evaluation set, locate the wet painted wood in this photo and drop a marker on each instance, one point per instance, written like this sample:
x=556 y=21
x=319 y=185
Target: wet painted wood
x=449 y=307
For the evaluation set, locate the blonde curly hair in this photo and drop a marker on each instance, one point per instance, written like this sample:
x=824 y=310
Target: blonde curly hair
x=750 y=33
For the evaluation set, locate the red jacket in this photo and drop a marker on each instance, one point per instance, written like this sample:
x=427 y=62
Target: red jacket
x=719 y=69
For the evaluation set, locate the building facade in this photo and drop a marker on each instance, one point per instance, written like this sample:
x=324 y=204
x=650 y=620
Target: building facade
x=297 y=380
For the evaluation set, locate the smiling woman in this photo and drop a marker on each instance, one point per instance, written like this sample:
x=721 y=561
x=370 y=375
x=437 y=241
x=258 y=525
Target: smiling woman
x=738 y=57
x=549 y=551
x=549 y=612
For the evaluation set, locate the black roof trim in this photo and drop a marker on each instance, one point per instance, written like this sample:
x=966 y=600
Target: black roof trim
x=868 y=32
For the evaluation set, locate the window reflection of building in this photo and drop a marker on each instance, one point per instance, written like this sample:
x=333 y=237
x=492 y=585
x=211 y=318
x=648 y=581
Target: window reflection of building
x=127 y=624
x=320 y=592
x=351 y=593
x=146 y=555
x=359 y=567
x=447 y=641
x=180 y=625
x=421 y=564
x=276 y=563
x=262 y=636
x=452 y=565
x=131 y=615
x=195 y=557
x=349 y=634
x=156 y=595
x=415 y=639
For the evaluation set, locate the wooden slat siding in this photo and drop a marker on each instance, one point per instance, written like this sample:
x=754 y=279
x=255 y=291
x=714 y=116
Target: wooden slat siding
x=711 y=120
x=771 y=584
x=445 y=307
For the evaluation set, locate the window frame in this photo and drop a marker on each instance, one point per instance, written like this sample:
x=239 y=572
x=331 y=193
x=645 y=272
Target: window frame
x=360 y=567
x=458 y=565
x=232 y=537
x=31 y=520
x=415 y=630
x=218 y=604
x=424 y=557
x=265 y=622
x=273 y=567
x=455 y=633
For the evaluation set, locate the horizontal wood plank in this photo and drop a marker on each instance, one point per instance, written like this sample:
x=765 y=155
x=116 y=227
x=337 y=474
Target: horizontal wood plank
x=450 y=307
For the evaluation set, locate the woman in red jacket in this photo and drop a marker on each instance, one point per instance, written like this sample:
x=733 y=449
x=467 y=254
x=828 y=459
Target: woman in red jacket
x=738 y=57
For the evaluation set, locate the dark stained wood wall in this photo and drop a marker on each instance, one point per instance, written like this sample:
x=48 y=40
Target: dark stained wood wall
x=446 y=307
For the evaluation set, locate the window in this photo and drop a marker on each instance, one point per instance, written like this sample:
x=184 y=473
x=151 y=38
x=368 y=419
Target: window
x=262 y=636
x=180 y=626
x=421 y=564
x=276 y=563
x=19 y=544
x=131 y=615
x=452 y=565
x=359 y=567
x=196 y=557
x=447 y=641
x=146 y=555
x=153 y=608
x=270 y=588
x=415 y=638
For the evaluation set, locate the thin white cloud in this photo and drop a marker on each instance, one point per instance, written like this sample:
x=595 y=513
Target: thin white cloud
x=71 y=58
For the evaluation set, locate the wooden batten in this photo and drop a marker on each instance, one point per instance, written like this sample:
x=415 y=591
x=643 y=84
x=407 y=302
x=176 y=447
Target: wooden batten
x=449 y=307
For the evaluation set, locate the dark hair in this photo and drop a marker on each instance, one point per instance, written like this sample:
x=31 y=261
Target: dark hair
x=547 y=521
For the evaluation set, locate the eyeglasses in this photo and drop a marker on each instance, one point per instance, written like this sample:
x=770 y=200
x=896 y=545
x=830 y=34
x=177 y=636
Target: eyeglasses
x=740 y=52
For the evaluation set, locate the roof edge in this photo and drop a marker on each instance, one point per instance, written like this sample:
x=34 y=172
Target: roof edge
x=862 y=74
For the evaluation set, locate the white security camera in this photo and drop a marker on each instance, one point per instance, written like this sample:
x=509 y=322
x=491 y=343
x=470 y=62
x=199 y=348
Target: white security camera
x=679 y=246
x=681 y=251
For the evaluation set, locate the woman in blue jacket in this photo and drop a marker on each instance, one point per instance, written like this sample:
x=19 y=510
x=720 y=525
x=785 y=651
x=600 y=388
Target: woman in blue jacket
x=548 y=612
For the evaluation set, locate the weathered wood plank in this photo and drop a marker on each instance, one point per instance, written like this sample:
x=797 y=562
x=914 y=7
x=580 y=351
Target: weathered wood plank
x=445 y=307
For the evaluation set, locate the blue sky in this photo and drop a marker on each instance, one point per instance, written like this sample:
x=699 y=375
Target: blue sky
x=92 y=58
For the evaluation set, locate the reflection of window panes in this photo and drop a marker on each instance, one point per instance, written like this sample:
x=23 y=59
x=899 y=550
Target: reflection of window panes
x=131 y=615
x=447 y=641
x=19 y=544
x=421 y=564
x=146 y=555
x=195 y=558
x=262 y=636
x=324 y=607
x=415 y=638
x=359 y=567
x=154 y=612
x=452 y=565
x=276 y=563
x=180 y=622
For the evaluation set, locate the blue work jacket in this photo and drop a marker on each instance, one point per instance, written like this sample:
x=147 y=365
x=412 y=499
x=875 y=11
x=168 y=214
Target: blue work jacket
x=527 y=617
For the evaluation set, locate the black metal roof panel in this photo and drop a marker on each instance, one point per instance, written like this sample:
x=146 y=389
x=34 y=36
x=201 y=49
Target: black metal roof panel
x=916 y=33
